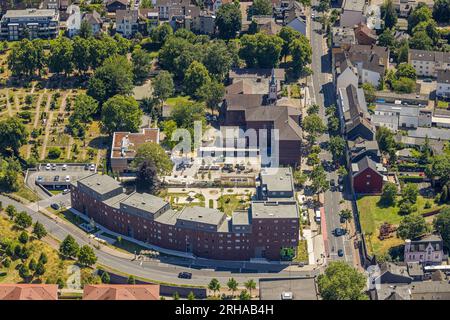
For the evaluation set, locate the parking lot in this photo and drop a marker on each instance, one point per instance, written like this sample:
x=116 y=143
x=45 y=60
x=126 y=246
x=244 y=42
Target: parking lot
x=57 y=176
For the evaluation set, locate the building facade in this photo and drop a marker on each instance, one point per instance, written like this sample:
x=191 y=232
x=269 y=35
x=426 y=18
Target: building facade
x=29 y=23
x=426 y=250
x=260 y=232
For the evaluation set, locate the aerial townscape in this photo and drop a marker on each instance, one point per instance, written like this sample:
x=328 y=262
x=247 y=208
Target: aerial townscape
x=224 y=150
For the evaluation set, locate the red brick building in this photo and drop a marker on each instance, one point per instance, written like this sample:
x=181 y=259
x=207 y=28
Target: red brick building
x=259 y=232
x=366 y=177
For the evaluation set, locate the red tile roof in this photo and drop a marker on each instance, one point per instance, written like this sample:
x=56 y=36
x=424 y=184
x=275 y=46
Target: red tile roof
x=28 y=292
x=132 y=141
x=121 y=292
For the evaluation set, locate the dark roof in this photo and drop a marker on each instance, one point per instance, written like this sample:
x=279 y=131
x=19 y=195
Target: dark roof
x=424 y=55
x=364 y=164
x=93 y=18
x=443 y=76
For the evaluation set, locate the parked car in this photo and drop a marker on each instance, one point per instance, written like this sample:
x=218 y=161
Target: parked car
x=185 y=275
x=339 y=232
x=67 y=179
x=92 y=167
x=86 y=166
x=53 y=166
x=64 y=166
x=55 y=206
x=332 y=183
x=56 y=178
x=341 y=188
x=48 y=166
x=340 y=253
x=66 y=191
x=340 y=180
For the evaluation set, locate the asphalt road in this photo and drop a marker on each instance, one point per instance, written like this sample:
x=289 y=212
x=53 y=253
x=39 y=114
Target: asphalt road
x=323 y=92
x=160 y=271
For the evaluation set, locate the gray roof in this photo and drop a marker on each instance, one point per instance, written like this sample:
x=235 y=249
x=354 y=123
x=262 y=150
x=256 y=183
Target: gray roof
x=277 y=179
x=443 y=76
x=354 y=5
x=415 y=269
x=363 y=164
x=241 y=218
x=435 y=56
x=29 y=13
x=273 y=210
x=168 y=217
x=393 y=292
x=202 y=215
x=145 y=202
x=301 y=288
x=100 y=183
x=256 y=73
x=430 y=290
x=428 y=238
x=404 y=110
x=431 y=133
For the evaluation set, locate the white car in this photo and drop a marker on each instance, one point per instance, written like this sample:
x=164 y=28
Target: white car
x=67 y=179
x=48 y=166
x=64 y=166
x=92 y=167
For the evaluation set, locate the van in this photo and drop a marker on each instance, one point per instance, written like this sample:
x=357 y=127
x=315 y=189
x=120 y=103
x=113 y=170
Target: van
x=317 y=215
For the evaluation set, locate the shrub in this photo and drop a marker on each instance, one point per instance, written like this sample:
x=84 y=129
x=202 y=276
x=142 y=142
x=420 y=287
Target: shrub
x=54 y=153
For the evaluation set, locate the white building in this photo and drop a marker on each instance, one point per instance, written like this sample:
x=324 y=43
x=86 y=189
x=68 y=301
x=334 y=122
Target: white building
x=396 y=116
x=426 y=250
x=427 y=63
x=74 y=21
x=443 y=83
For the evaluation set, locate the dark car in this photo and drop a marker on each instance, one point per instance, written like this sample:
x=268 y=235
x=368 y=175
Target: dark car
x=339 y=232
x=86 y=166
x=340 y=253
x=55 y=206
x=332 y=183
x=56 y=178
x=185 y=275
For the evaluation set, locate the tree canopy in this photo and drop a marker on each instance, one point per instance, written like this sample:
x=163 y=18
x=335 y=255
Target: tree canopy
x=412 y=226
x=121 y=113
x=13 y=134
x=228 y=20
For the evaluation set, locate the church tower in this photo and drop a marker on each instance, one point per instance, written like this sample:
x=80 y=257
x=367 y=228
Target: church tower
x=273 y=88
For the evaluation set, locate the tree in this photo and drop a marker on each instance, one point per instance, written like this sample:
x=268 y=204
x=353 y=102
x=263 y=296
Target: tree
x=439 y=168
x=314 y=126
x=421 y=41
x=153 y=153
x=32 y=265
x=81 y=54
x=300 y=178
x=261 y=8
x=69 y=247
x=288 y=35
x=176 y=296
x=218 y=59
x=11 y=211
x=319 y=182
x=404 y=85
x=228 y=20
x=85 y=31
x=337 y=146
x=405 y=70
x=441 y=10
x=420 y=14
x=54 y=152
x=86 y=256
x=442 y=225
x=23 y=237
x=406 y=208
x=389 y=14
x=212 y=93
x=301 y=52
x=385 y=139
x=214 y=285
x=250 y=285
x=389 y=194
x=121 y=113
x=40 y=269
x=261 y=50
x=191 y=296
x=346 y=214
x=232 y=285
x=410 y=192
x=142 y=64
x=369 y=92
x=147 y=176
x=412 y=226
x=105 y=278
x=244 y=295
x=24 y=272
x=185 y=114
x=324 y=5
x=43 y=258
x=341 y=282
x=26 y=57
x=161 y=33
x=114 y=77
x=23 y=220
x=13 y=134
x=61 y=56
x=131 y=280
x=195 y=78
x=163 y=86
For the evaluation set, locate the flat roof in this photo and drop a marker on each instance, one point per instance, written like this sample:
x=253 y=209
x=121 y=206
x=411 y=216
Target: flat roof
x=202 y=215
x=100 y=183
x=273 y=210
x=241 y=218
x=404 y=110
x=301 y=288
x=145 y=202
x=125 y=144
x=29 y=13
x=277 y=179
x=354 y=5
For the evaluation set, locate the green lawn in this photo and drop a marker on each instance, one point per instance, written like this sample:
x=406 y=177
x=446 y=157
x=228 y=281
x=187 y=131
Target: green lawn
x=178 y=99
x=302 y=252
x=372 y=216
x=230 y=203
x=442 y=104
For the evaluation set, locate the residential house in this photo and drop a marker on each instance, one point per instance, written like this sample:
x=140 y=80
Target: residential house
x=298 y=24
x=364 y=35
x=121 y=292
x=214 y=5
x=372 y=14
x=395 y=116
x=94 y=20
x=277 y=184
x=127 y=22
x=352 y=13
x=393 y=273
x=125 y=145
x=114 y=5
x=443 y=83
x=427 y=250
x=73 y=22
x=151 y=19
x=367 y=176
x=404 y=7
x=427 y=63
x=29 y=23
x=204 y=23
x=343 y=36
x=28 y=291
x=361 y=148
